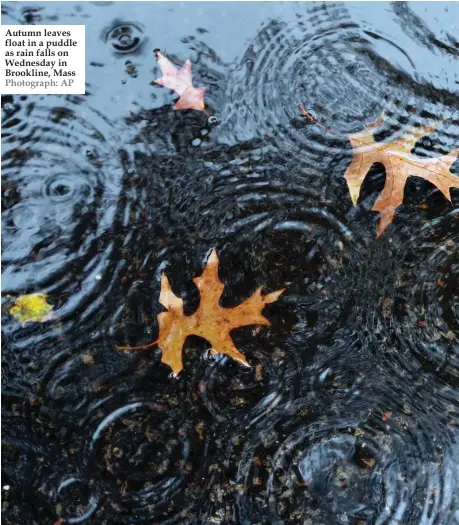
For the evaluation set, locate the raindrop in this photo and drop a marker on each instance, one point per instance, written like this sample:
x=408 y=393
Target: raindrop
x=125 y=38
x=59 y=190
x=130 y=69
x=31 y=15
x=9 y=107
x=213 y=120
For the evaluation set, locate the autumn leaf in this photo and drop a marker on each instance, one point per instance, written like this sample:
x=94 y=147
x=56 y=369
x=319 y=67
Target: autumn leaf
x=210 y=321
x=31 y=308
x=400 y=164
x=180 y=80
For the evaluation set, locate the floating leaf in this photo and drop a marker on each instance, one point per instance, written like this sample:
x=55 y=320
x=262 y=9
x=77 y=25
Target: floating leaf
x=180 y=80
x=400 y=164
x=31 y=308
x=210 y=321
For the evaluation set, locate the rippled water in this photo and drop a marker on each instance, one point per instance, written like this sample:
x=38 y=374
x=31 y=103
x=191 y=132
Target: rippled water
x=349 y=413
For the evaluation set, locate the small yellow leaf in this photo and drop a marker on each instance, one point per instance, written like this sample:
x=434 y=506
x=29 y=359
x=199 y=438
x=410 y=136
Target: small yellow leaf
x=31 y=308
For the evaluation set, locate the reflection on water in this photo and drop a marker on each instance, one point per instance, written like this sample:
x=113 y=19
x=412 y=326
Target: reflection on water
x=349 y=413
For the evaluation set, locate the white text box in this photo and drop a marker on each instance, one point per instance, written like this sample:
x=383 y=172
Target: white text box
x=42 y=59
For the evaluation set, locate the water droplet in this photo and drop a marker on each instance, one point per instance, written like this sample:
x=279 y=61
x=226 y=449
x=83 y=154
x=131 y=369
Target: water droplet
x=130 y=69
x=212 y=120
x=125 y=38
x=9 y=107
x=31 y=15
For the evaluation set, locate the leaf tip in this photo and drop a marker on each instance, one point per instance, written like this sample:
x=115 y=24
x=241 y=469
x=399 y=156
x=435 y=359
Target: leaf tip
x=381 y=228
x=273 y=296
x=213 y=257
x=244 y=363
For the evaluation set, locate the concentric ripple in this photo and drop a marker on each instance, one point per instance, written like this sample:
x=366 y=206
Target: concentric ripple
x=271 y=220
x=418 y=302
x=374 y=457
x=231 y=392
x=77 y=380
x=139 y=444
x=125 y=38
x=74 y=501
x=147 y=455
x=323 y=61
x=279 y=216
x=62 y=175
x=349 y=412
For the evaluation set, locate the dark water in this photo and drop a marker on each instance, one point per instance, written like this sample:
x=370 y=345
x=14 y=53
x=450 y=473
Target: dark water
x=350 y=412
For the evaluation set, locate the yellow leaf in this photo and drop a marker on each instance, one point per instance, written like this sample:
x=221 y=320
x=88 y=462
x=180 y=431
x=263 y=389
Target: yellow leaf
x=31 y=308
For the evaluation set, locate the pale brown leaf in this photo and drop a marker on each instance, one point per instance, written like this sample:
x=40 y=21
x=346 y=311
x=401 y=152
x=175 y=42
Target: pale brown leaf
x=180 y=81
x=400 y=164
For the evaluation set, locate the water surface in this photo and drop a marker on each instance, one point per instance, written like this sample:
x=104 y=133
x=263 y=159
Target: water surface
x=349 y=413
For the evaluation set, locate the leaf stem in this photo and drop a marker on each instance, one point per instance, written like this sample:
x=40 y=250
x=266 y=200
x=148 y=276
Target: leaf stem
x=149 y=345
x=312 y=119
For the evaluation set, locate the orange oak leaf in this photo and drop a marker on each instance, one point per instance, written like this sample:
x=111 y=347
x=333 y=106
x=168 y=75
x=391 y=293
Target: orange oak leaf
x=180 y=81
x=400 y=164
x=210 y=321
